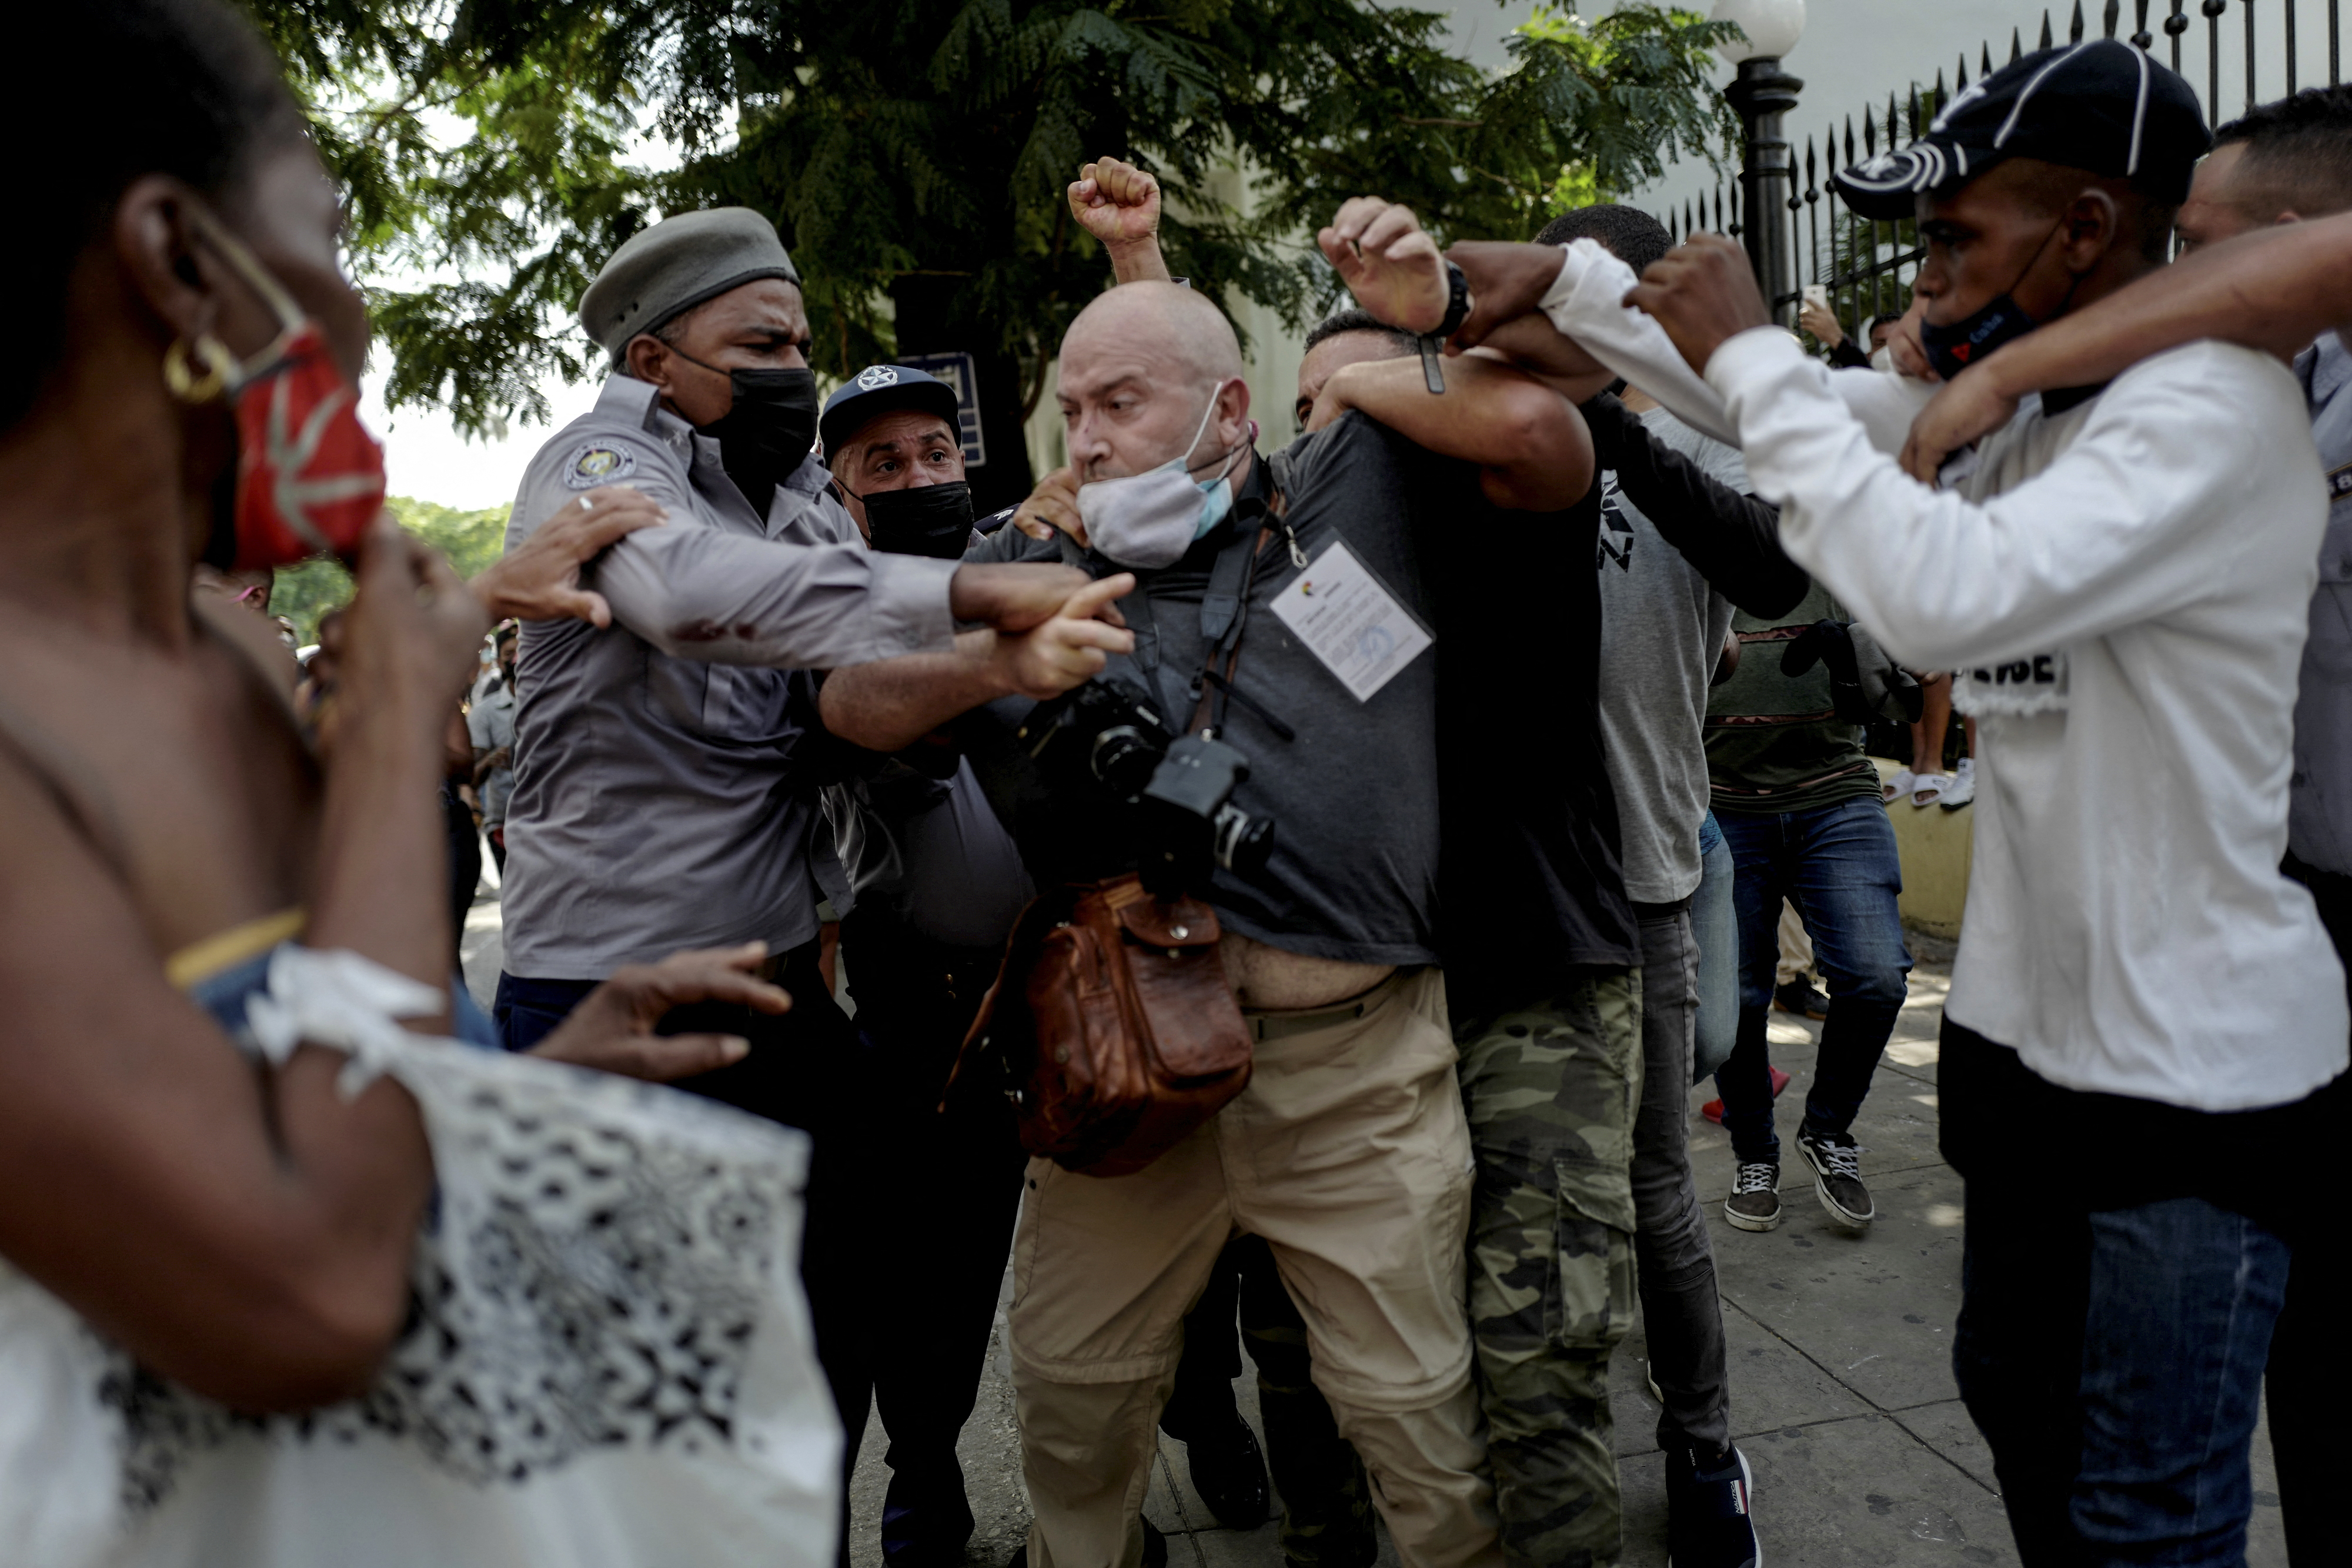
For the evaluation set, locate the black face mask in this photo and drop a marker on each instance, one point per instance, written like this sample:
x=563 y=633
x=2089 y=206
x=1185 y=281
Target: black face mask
x=1955 y=346
x=933 y=520
x=769 y=432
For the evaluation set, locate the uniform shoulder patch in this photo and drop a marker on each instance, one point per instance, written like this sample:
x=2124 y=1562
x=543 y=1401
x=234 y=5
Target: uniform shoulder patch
x=595 y=463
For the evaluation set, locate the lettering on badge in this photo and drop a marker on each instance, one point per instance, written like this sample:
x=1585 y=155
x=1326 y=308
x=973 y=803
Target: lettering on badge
x=1349 y=619
x=597 y=463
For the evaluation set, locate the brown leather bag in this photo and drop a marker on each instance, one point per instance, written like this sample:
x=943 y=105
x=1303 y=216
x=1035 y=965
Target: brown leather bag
x=1114 y=1026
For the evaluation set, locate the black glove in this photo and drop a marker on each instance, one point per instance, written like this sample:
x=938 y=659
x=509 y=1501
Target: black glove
x=1865 y=685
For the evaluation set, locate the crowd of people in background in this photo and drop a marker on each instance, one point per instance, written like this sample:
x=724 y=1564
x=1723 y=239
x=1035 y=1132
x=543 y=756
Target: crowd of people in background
x=1484 y=766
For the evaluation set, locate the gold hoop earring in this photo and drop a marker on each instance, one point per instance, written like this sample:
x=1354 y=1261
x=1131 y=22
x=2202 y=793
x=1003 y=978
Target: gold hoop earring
x=185 y=384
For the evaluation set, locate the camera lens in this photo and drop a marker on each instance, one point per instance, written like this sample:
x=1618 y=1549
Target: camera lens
x=1123 y=759
x=1241 y=842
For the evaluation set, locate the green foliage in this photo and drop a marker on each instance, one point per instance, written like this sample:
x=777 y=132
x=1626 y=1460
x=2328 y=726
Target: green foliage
x=914 y=153
x=305 y=593
x=471 y=541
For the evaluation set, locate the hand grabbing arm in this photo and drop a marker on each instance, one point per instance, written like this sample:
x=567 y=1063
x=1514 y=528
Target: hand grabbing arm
x=890 y=703
x=539 y=578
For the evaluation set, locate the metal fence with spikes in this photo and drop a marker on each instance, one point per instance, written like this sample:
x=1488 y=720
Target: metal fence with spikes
x=1866 y=268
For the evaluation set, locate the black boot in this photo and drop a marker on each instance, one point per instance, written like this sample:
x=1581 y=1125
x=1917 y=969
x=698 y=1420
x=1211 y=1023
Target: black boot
x=1228 y=1466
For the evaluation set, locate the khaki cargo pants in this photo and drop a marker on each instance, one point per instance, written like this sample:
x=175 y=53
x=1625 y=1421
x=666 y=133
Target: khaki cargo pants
x=1349 y=1153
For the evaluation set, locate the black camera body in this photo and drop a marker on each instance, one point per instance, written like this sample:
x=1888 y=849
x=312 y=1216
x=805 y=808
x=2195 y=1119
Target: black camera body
x=1104 y=737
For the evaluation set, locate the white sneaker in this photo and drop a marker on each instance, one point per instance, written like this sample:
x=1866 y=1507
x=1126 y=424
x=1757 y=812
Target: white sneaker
x=1963 y=787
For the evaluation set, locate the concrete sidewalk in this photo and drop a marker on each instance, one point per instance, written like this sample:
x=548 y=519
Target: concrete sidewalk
x=1841 y=1366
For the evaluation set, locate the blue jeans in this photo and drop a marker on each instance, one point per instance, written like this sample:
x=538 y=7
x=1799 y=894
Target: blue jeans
x=1838 y=865
x=1715 y=926
x=2112 y=1357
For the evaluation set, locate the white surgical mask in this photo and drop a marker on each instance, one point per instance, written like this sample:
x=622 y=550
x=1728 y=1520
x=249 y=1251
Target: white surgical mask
x=1148 y=520
x=1882 y=358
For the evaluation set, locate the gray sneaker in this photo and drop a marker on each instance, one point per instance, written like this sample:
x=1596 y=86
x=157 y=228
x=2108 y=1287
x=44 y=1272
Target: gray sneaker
x=1755 y=1200
x=1837 y=1179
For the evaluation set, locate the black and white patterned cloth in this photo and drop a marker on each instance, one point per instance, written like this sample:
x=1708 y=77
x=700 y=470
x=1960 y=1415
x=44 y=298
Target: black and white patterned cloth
x=607 y=1361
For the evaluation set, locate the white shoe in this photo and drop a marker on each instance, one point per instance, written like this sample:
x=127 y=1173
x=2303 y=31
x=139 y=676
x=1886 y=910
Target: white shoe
x=1897 y=785
x=1963 y=787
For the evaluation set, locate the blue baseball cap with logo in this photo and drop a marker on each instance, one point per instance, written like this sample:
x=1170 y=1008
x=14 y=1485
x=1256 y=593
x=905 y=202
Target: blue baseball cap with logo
x=2100 y=106
x=880 y=390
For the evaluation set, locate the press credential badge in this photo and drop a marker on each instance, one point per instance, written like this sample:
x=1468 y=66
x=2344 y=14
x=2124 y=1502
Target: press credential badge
x=1350 y=620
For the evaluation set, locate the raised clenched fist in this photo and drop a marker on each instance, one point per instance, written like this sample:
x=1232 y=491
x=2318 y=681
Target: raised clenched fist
x=1116 y=203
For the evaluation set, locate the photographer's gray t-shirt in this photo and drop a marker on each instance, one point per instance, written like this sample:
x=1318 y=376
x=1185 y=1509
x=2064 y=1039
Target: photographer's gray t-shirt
x=1353 y=874
x=1662 y=631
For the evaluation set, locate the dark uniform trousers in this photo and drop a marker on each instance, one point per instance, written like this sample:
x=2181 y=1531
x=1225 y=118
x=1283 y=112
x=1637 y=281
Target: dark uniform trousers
x=945 y=1186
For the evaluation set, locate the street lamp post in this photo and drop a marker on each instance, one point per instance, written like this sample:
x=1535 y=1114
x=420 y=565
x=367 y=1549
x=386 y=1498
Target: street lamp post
x=1761 y=94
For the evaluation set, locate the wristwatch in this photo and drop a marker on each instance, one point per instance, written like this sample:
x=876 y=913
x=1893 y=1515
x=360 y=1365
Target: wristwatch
x=1458 y=310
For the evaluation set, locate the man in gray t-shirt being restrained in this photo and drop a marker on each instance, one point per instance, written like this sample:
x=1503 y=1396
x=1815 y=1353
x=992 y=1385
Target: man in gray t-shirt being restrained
x=1681 y=546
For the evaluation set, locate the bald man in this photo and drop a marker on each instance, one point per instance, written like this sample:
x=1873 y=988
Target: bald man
x=1349 y=1152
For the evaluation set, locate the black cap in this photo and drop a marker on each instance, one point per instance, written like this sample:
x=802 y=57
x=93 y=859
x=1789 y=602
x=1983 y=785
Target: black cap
x=2100 y=106
x=877 y=389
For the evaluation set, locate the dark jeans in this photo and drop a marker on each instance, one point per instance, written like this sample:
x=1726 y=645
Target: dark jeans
x=1838 y=865
x=2112 y=1356
x=1715 y=926
x=2310 y=1383
x=1681 y=1310
x=808 y=1070
x=944 y=1194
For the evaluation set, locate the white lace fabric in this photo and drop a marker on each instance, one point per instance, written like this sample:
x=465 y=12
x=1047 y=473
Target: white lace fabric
x=607 y=1360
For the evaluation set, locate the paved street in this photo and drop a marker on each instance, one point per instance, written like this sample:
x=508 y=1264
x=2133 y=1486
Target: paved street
x=1841 y=1366
x=1840 y=1353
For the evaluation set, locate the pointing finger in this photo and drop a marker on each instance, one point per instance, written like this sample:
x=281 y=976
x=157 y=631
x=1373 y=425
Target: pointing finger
x=1087 y=600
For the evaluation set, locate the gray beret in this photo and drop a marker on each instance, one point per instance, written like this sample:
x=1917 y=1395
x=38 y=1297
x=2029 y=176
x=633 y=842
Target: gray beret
x=676 y=264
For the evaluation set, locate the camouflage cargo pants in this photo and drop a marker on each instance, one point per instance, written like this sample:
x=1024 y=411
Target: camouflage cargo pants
x=1550 y=1090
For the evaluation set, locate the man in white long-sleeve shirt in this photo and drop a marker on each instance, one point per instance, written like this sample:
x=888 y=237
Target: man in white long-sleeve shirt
x=2142 y=1008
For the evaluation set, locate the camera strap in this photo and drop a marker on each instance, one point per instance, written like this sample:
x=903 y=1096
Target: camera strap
x=1224 y=615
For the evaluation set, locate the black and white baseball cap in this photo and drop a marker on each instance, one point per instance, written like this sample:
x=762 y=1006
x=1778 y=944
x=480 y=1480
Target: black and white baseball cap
x=877 y=389
x=2101 y=105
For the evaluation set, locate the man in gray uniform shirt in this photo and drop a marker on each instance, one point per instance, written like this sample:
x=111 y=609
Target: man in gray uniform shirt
x=665 y=788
